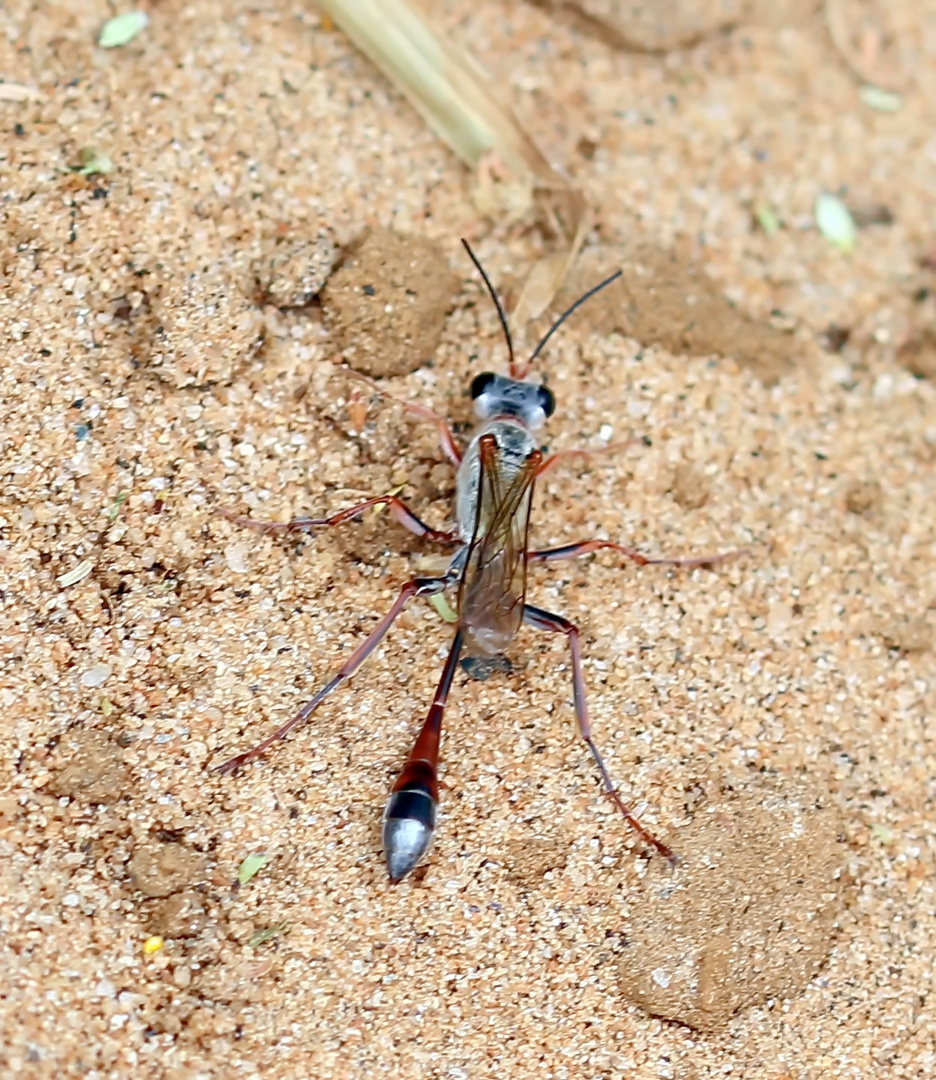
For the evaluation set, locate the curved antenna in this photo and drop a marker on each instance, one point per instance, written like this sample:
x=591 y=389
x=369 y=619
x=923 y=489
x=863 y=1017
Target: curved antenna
x=497 y=304
x=568 y=311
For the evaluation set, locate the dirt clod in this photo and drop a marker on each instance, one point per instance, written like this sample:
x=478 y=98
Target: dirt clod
x=207 y=329
x=163 y=869
x=662 y=299
x=292 y=268
x=528 y=861
x=864 y=497
x=659 y=26
x=910 y=634
x=94 y=769
x=918 y=356
x=181 y=915
x=387 y=303
x=673 y=24
x=748 y=914
x=690 y=488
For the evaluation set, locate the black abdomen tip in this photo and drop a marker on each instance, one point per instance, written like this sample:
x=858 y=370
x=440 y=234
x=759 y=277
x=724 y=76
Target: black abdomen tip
x=409 y=824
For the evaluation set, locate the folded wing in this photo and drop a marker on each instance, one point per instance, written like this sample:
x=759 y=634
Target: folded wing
x=490 y=601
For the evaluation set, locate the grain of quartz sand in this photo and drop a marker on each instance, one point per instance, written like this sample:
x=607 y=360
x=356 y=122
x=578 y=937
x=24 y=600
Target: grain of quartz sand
x=232 y=129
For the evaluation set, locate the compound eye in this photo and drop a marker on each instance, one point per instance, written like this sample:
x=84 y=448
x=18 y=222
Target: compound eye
x=481 y=383
x=545 y=400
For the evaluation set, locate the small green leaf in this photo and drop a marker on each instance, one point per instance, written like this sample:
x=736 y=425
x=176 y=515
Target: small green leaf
x=94 y=162
x=107 y=706
x=882 y=832
x=443 y=607
x=835 y=222
x=767 y=219
x=119 y=500
x=250 y=866
x=122 y=29
x=260 y=936
x=882 y=100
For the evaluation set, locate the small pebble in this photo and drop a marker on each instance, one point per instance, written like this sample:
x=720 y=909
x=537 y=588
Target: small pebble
x=96 y=676
x=293 y=267
x=236 y=557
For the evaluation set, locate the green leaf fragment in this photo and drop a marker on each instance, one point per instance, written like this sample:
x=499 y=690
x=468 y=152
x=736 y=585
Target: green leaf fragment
x=260 y=936
x=122 y=29
x=443 y=607
x=94 y=162
x=882 y=100
x=882 y=832
x=834 y=221
x=115 y=506
x=767 y=219
x=250 y=866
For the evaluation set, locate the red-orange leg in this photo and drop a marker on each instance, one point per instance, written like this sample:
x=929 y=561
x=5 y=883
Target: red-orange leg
x=586 y=547
x=410 y=816
x=416 y=587
x=450 y=447
x=581 y=452
x=546 y=620
x=400 y=511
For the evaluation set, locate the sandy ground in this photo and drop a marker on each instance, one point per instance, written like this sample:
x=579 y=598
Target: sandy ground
x=148 y=378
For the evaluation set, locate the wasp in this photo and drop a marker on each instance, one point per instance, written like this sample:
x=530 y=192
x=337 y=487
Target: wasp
x=495 y=480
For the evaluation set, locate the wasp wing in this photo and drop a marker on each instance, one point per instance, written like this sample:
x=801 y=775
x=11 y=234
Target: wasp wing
x=490 y=601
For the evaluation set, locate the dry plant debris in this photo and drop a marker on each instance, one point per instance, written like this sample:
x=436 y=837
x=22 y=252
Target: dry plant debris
x=460 y=103
x=858 y=31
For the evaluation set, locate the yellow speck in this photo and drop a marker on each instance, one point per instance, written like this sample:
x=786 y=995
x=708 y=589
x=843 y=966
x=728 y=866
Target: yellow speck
x=392 y=493
x=152 y=945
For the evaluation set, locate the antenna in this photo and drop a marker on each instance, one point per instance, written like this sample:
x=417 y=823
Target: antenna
x=568 y=311
x=497 y=304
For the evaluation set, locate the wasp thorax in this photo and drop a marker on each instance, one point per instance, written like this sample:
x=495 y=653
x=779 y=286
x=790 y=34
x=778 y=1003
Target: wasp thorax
x=498 y=395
